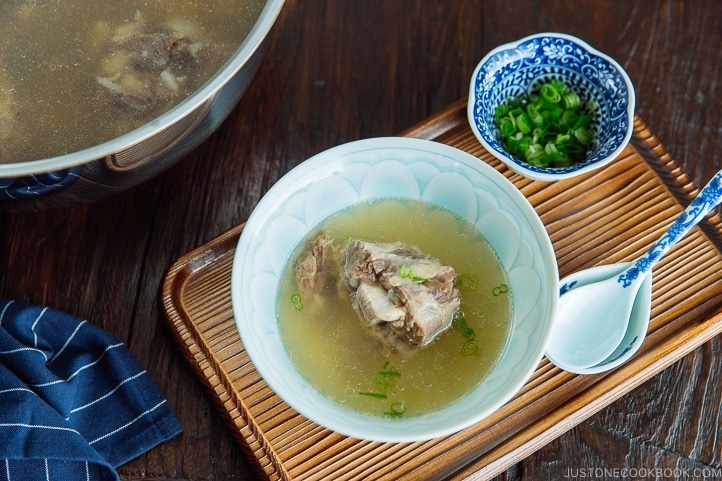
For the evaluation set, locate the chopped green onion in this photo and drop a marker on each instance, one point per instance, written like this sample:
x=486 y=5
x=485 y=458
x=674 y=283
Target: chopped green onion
x=535 y=154
x=500 y=112
x=573 y=149
x=460 y=326
x=583 y=121
x=548 y=129
x=569 y=118
x=534 y=115
x=523 y=123
x=467 y=282
x=296 y=301
x=583 y=135
x=471 y=346
x=550 y=93
x=377 y=395
x=406 y=272
x=550 y=149
x=382 y=381
x=499 y=290
x=571 y=100
x=507 y=127
x=397 y=410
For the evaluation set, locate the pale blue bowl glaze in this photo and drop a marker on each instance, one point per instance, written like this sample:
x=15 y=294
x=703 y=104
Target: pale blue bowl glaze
x=408 y=169
x=518 y=68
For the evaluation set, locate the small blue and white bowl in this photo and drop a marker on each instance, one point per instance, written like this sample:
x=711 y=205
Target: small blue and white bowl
x=518 y=68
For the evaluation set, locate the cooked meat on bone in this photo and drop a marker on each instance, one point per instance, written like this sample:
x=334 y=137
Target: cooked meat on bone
x=399 y=288
x=376 y=306
x=317 y=266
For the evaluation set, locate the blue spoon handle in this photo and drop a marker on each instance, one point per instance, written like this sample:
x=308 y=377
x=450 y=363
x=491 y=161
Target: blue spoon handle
x=708 y=198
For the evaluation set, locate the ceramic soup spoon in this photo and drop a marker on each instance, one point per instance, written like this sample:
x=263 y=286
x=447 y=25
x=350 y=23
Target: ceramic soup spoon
x=638 y=319
x=592 y=319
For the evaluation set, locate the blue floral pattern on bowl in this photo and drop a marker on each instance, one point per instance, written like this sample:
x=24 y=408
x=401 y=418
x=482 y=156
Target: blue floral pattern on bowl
x=519 y=68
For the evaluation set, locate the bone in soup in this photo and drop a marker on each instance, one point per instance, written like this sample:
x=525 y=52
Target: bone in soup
x=394 y=308
x=76 y=74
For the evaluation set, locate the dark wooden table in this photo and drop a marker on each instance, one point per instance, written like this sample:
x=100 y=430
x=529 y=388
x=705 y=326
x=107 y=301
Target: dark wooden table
x=340 y=70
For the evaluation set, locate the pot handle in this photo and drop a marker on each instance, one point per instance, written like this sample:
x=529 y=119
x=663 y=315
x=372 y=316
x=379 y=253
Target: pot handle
x=151 y=148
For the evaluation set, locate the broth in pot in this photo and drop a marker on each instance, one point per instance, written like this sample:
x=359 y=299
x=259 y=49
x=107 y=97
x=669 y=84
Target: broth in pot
x=76 y=74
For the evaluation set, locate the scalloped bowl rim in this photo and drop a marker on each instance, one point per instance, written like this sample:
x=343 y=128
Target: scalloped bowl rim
x=290 y=208
x=517 y=165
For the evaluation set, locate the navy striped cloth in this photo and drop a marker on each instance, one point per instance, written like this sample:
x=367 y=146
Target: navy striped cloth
x=74 y=402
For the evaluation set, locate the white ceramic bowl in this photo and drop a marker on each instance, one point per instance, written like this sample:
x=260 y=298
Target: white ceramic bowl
x=519 y=67
x=394 y=168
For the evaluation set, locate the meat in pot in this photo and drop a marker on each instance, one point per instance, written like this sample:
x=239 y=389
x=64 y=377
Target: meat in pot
x=146 y=65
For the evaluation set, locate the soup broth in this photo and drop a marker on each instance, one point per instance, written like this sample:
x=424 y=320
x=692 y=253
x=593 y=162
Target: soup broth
x=337 y=353
x=77 y=73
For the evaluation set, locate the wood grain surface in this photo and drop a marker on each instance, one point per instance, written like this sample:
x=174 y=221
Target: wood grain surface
x=340 y=70
x=644 y=183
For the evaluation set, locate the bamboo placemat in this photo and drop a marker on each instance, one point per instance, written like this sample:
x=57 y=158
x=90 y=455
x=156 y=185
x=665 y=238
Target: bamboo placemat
x=610 y=215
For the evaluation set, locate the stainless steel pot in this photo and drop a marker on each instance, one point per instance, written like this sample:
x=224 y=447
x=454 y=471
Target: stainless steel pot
x=99 y=171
